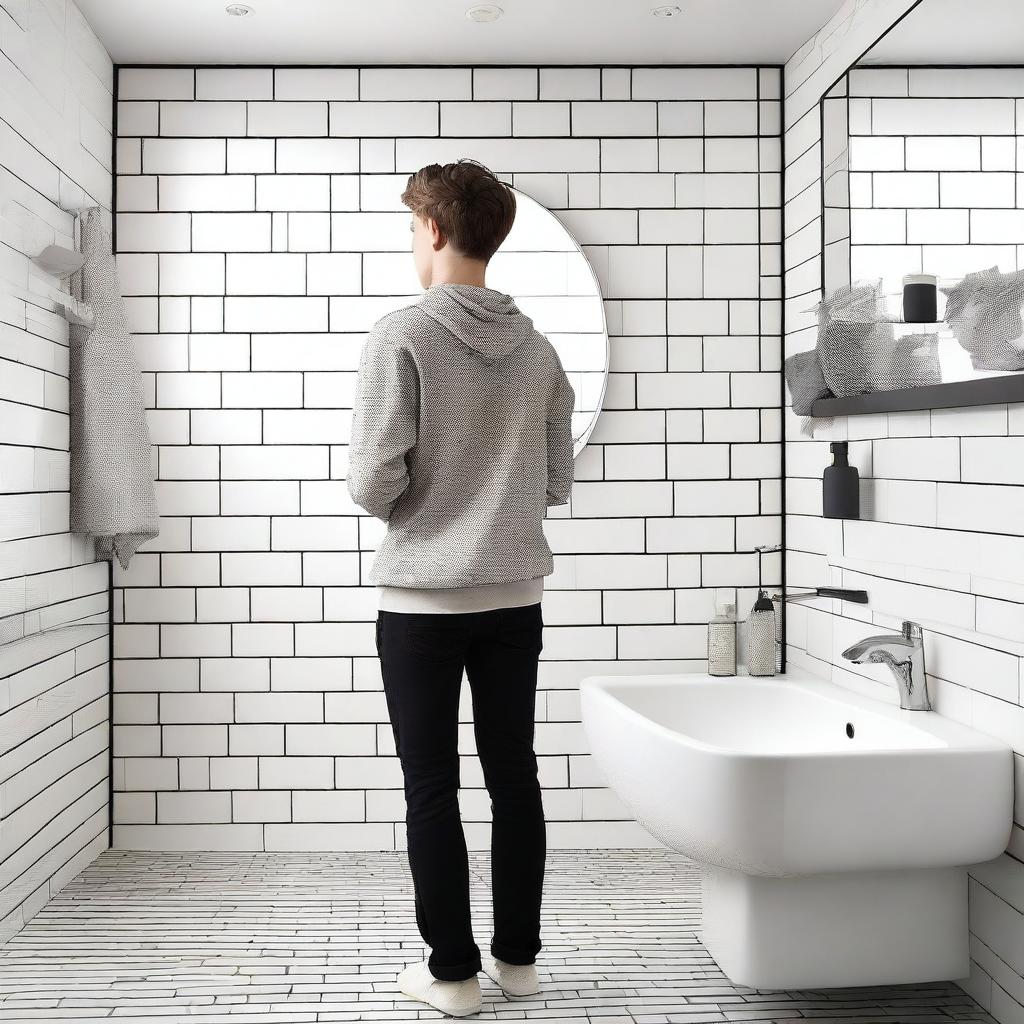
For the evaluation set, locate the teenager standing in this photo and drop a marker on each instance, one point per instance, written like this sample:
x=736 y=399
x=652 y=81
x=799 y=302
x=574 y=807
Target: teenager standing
x=461 y=440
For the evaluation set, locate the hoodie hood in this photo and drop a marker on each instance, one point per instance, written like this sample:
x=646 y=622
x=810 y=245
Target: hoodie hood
x=488 y=321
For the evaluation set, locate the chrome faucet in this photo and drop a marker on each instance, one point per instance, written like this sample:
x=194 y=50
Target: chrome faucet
x=904 y=654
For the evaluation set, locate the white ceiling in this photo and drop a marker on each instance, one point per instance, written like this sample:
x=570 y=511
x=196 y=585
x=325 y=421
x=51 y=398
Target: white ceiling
x=955 y=32
x=437 y=31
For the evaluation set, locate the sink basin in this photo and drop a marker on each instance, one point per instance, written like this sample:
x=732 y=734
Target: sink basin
x=818 y=815
x=793 y=775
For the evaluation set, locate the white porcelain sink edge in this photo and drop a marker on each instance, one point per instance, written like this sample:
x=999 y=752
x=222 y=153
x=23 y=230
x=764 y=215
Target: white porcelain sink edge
x=945 y=730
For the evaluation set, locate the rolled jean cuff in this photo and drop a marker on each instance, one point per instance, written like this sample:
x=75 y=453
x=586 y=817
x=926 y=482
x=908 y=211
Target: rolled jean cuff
x=458 y=972
x=515 y=957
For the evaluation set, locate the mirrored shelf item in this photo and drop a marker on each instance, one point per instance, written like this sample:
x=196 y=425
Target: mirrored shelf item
x=892 y=300
x=958 y=389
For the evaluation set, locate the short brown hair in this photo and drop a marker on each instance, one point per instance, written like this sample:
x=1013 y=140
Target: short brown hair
x=473 y=208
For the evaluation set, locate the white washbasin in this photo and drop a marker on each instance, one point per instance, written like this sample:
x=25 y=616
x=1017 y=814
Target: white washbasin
x=807 y=803
x=760 y=775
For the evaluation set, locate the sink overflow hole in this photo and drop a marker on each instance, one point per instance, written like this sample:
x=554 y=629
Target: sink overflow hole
x=849 y=729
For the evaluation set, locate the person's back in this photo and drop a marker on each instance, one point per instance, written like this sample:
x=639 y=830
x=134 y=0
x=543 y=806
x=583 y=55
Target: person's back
x=484 y=394
x=461 y=439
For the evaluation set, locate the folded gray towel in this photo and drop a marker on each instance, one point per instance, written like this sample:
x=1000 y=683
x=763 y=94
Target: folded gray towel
x=855 y=340
x=984 y=313
x=113 y=496
x=806 y=381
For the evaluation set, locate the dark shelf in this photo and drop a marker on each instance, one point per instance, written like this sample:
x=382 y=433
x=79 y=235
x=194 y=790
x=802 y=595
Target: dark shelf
x=982 y=391
x=889 y=320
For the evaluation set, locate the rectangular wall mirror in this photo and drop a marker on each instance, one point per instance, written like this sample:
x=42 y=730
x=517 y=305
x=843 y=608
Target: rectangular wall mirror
x=923 y=173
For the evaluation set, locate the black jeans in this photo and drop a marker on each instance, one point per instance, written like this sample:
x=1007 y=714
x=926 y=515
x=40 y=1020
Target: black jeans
x=422 y=659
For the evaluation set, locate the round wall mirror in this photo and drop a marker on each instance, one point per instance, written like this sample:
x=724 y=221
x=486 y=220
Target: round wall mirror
x=543 y=268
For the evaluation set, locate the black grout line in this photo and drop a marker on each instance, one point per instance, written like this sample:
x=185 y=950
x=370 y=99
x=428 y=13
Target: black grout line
x=114 y=139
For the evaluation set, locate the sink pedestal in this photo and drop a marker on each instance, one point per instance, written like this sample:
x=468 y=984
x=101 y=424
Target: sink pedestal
x=837 y=929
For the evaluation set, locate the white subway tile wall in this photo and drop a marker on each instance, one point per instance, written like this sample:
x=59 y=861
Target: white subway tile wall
x=55 y=153
x=932 y=185
x=939 y=194
x=262 y=234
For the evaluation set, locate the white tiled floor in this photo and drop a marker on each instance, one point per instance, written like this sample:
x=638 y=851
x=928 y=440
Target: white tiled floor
x=310 y=937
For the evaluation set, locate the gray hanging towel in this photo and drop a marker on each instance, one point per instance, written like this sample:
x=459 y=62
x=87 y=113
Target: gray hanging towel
x=113 y=496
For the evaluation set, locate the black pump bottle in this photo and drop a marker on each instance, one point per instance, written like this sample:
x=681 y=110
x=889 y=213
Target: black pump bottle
x=840 y=486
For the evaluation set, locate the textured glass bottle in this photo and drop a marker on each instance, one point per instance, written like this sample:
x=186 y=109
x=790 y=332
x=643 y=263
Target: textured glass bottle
x=722 y=642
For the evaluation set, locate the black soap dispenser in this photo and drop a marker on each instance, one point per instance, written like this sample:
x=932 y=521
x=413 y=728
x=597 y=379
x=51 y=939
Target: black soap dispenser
x=840 y=486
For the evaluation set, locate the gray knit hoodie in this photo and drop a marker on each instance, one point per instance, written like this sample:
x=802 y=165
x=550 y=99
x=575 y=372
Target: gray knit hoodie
x=461 y=439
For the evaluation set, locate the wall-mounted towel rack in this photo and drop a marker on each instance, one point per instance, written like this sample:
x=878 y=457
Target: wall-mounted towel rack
x=59 y=261
x=22 y=230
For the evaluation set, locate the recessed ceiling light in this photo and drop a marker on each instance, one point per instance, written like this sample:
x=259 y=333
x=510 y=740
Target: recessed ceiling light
x=666 y=11
x=238 y=10
x=484 y=13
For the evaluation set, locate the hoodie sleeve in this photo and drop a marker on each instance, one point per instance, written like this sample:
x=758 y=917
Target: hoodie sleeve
x=384 y=424
x=560 y=440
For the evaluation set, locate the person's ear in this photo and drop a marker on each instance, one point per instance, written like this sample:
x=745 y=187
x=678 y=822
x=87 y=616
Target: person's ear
x=437 y=237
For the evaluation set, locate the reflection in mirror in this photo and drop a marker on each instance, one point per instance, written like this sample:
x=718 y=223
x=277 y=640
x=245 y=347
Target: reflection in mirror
x=544 y=269
x=926 y=156
x=836 y=186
